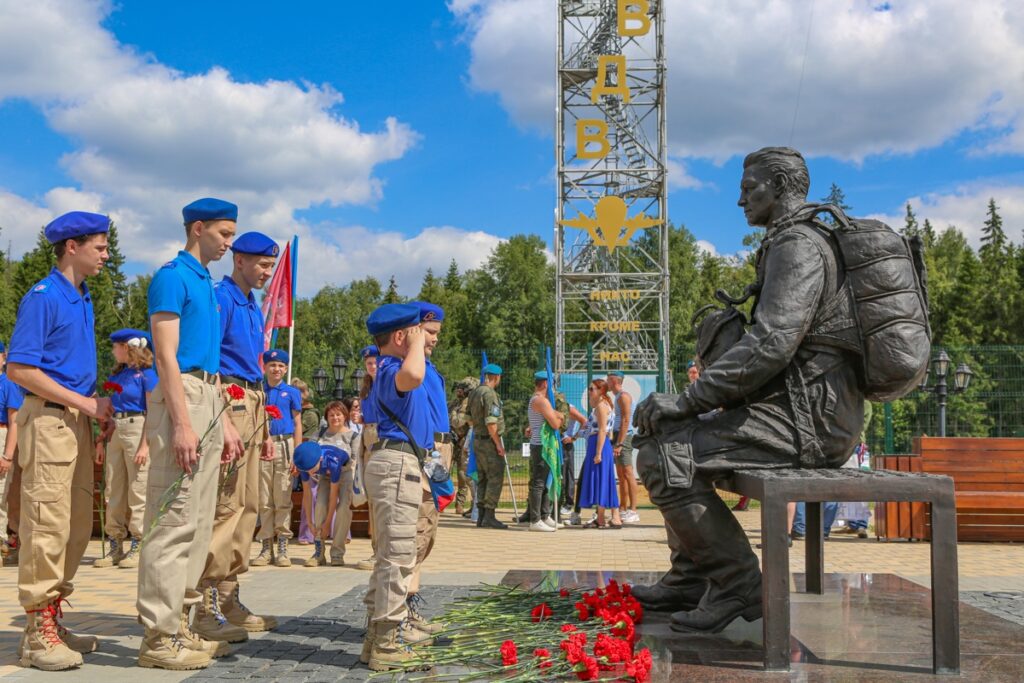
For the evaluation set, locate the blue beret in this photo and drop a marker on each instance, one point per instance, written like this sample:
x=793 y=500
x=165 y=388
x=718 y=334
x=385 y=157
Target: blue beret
x=76 y=224
x=616 y=373
x=209 y=209
x=392 y=317
x=255 y=243
x=540 y=374
x=276 y=355
x=340 y=453
x=691 y=364
x=126 y=335
x=429 y=313
x=3 y=349
x=492 y=369
x=370 y=351
x=307 y=455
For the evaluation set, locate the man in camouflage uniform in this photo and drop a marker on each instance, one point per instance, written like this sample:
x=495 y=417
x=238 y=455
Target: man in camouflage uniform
x=488 y=422
x=458 y=416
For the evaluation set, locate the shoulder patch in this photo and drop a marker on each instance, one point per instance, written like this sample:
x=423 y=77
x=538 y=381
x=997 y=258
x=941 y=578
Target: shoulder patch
x=170 y=264
x=41 y=287
x=496 y=411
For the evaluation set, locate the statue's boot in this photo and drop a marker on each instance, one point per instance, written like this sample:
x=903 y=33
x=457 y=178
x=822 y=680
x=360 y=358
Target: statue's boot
x=717 y=546
x=681 y=588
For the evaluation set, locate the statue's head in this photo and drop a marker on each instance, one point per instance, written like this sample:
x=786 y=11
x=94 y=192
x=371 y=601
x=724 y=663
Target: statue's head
x=775 y=180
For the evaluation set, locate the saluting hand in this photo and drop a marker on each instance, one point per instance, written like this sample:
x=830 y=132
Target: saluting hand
x=415 y=337
x=186 y=447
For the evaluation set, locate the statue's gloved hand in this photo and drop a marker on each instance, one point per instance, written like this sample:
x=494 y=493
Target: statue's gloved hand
x=657 y=407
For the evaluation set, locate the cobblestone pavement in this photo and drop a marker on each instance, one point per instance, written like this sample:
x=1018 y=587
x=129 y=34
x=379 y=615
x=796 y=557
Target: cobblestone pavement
x=1007 y=605
x=321 y=645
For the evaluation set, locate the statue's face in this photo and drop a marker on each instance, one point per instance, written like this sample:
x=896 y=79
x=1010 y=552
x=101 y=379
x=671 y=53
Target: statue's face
x=757 y=195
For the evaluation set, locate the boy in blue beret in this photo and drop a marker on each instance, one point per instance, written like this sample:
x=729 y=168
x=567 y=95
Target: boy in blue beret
x=276 y=462
x=221 y=616
x=53 y=358
x=189 y=436
x=11 y=398
x=329 y=467
x=431 y=319
x=405 y=432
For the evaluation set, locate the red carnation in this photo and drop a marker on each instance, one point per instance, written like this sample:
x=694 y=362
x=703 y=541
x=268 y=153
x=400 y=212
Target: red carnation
x=545 y=655
x=587 y=669
x=567 y=628
x=112 y=387
x=274 y=412
x=235 y=392
x=564 y=592
x=582 y=611
x=509 y=653
x=642 y=664
x=541 y=612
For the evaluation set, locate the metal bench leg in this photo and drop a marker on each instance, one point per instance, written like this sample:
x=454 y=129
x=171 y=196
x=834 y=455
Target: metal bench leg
x=945 y=589
x=775 y=583
x=814 y=561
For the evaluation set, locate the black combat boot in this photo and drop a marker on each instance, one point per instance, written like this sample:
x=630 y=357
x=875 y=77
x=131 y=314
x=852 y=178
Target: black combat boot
x=491 y=522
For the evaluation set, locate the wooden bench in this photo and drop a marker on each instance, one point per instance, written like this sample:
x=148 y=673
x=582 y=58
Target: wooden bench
x=988 y=475
x=776 y=488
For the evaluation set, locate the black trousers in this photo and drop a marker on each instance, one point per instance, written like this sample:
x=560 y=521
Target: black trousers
x=568 y=473
x=539 y=505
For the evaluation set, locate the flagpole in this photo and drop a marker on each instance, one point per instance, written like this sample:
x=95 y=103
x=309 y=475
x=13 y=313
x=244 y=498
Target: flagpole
x=291 y=328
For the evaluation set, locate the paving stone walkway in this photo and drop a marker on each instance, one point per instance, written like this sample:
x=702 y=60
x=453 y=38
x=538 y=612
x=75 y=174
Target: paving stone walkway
x=321 y=645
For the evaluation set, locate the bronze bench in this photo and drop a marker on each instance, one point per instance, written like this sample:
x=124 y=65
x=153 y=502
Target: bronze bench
x=776 y=488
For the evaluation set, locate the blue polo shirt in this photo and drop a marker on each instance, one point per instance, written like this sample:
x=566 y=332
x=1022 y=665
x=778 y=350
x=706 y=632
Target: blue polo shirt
x=241 y=331
x=287 y=398
x=11 y=398
x=437 y=394
x=134 y=386
x=183 y=287
x=411 y=407
x=330 y=467
x=54 y=332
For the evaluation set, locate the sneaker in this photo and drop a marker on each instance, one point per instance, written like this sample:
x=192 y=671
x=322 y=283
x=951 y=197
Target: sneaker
x=367 y=564
x=575 y=520
x=630 y=517
x=550 y=521
x=862 y=533
x=541 y=526
x=565 y=511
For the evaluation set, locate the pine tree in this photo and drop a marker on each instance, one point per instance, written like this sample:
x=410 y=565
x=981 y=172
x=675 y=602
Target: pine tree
x=998 y=292
x=836 y=197
x=452 y=279
x=910 y=225
x=392 y=296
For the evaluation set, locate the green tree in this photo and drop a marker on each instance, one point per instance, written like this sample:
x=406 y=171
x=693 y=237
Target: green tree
x=33 y=266
x=997 y=295
x=392 y=296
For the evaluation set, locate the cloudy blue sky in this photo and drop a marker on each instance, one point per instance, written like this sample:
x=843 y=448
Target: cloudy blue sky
x=393 y=137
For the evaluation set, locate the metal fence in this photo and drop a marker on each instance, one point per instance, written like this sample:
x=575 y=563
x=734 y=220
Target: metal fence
x=993 y=405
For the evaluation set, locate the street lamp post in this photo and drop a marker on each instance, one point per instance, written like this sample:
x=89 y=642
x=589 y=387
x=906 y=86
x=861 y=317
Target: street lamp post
x=339 y=368
x=320 y=381
x=961 y=380
x=357 y=380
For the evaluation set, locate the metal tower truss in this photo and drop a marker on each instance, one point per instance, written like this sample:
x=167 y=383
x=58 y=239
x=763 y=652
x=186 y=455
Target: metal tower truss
x=612 y=277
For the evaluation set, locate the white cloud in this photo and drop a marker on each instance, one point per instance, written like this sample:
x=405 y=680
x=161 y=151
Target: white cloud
x=21 y=219
x=151 y=139
x=875 y=81
x=707 y=248
x=966 y=208
x=338 y=255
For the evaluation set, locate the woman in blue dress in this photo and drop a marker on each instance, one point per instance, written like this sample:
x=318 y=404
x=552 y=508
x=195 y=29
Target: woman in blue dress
x=599 y=488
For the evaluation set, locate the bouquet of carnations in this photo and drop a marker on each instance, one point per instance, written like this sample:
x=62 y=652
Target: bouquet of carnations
x=512 y=634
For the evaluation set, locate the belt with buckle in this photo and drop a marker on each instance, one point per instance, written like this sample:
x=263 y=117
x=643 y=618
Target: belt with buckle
x=202 y=375
x=442 y=437
x=280 y=438
x=244 y=383
x=46 y=404
x=394 y=445
x=130 y=413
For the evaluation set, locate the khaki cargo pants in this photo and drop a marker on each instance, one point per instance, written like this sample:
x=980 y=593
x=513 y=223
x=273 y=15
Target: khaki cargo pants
x=5 y=486
x=126 y=481
x=426 y=522
x=174 y=555
x=342 y=512
x=276 y=492
x=369 y=437
x=56 y=450
x=238 y=499
x=394 y=489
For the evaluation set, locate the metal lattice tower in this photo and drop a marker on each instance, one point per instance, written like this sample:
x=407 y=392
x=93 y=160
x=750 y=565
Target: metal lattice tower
x=634 y=169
